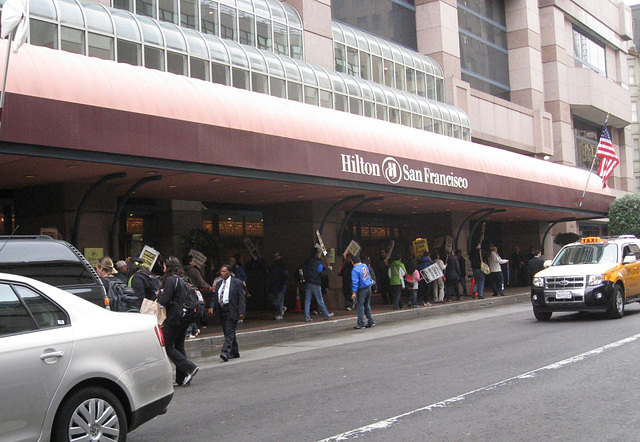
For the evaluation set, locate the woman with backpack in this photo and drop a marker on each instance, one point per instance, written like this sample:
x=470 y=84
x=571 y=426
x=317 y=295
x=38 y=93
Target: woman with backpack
x=175 y=326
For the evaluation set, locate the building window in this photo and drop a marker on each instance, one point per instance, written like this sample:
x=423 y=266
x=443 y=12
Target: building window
x=586 y=135
x=636 y=149
x=634 y=112
x=632 y=74
x=483 y=46
x=135 y=226
x=588 y=53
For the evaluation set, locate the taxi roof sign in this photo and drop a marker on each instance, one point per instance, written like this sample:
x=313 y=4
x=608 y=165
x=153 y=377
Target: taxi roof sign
x=590 y=239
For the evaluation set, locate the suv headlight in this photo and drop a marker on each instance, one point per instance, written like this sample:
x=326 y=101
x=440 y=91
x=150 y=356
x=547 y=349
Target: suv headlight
x=594 y=279
x=538 y=281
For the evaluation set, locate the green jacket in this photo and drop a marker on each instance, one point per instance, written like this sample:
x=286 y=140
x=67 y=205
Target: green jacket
x=397 y=270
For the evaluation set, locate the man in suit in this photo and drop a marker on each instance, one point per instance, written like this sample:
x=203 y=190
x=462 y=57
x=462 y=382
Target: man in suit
x=229 y=306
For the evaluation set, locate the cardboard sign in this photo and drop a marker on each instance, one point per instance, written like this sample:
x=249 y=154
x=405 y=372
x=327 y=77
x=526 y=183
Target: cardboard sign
x=199 y=258
x=420 y=245
x=353 y=248
x=432 y=272
x=252 y=248
x=93 y=254
x=149 y=255
x=321 y=242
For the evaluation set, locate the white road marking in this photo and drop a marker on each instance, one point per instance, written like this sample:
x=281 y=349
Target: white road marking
x=353 y=434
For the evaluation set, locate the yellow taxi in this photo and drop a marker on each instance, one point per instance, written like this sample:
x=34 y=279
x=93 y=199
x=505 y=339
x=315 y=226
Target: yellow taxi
x=593 y=274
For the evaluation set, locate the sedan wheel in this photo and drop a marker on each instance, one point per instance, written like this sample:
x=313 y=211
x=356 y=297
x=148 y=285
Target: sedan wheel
x=92 y=413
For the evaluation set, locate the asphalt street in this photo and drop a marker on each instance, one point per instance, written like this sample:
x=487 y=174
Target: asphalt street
x=493 y=374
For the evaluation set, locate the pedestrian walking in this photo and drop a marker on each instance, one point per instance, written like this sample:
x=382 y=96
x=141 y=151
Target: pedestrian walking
x=361 y=282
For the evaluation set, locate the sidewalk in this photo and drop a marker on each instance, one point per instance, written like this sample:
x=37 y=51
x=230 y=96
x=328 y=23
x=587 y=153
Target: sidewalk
x=259 y=327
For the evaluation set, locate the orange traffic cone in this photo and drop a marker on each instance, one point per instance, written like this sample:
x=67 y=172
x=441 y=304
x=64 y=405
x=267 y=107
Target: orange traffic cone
x=298 y=304
x=473 y=282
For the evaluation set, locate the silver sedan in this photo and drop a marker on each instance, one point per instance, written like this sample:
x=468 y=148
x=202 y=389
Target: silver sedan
x=74 y=371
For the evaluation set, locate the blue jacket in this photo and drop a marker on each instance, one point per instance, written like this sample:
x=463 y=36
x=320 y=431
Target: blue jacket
x=360 y=277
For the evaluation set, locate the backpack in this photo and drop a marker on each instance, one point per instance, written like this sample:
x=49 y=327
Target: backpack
x=122 y=298
x=188 y=303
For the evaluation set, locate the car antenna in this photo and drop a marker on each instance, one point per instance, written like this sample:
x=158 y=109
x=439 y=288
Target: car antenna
x=7 y=240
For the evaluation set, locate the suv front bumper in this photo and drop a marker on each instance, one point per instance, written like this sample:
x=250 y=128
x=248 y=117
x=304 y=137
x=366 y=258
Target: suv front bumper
x=593 y=298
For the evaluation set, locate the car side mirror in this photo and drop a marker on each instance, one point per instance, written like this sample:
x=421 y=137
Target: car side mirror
x=547 y=263
x=629 y=259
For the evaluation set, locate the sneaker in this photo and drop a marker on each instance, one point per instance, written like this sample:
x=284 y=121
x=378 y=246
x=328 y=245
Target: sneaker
x=370 y=324
x=330 y=316
x=189 y=376
x=277 y=317
x=349 y=309
x=358 y=327
x=308 y=319
x=315 y=312
x=196 y=333
x=284 y=309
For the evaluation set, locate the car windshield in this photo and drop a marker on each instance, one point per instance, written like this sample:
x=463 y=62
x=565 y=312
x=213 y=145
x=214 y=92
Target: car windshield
x=587 y=254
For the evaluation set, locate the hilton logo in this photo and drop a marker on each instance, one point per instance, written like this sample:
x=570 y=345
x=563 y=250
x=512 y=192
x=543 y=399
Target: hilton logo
x=394 y=172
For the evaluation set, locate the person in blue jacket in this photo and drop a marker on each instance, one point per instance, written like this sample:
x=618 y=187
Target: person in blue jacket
x=361 y=292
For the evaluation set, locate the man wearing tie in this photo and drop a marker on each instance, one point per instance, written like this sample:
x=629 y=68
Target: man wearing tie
x=229 y=306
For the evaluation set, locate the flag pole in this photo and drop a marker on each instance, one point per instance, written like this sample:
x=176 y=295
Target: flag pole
x=590 y=170
x=4 y=78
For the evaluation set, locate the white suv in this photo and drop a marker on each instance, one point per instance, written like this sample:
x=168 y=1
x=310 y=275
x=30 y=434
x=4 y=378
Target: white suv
x=593 y=274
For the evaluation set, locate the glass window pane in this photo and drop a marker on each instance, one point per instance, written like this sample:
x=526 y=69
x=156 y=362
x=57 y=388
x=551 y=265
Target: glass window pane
x=292 y=15
x=326 y=99
x=176 y=63
x=388 y=73
x=126 y=26
x=259 y=83
x=72 y=40
x=168 y=11
x=277 y=11
x=275 y=65
x=173 y=38
x=129 y=52
x=355 y=105
x=421 y=84
x=399 y=76
x=44 y=9
x=277 y=87
x=237 y=55
x=353 y=64
x=365 y=66
x=217 y=49
x=295 y=38
x=280 y=39
x=101 y=46
x=197 y=46
x=209 y=17
x=411 y=80
x=340 y=57
x=43 y=34
x=246 y=28
x=376 y=70
x=154 y=58
x=220 y=74
x=369 y=109
x=147 y=8
x=188 y=14
x=264 y=33
x=340 y=102
x=311 y=95
x=70 y=13
x=291 y=69
x=199 y=69
x=240 y=78
x=261 y=8
x=13 y=316
x=151 y=32
x=228 y=25
x=294 y=91
x=381 y=112
x=46 y=314
x=98 y=18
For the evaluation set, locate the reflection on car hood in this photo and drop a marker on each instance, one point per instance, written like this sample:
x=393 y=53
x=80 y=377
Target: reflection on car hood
x=575 y=270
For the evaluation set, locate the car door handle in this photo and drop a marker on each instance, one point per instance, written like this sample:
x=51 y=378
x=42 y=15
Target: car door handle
x=52 y=354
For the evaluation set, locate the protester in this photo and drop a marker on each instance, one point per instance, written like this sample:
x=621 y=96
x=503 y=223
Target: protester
x=361 y=282
x=412 y=279
x=229 y=305
x=438 y=283
x=313 y=271
x=105 y=270
x=424 y=287
x=452 y=277
x=121 y=268
x=477 y=257
x=197 y=280
x=345 y=273
x=278 y=279
x=496 y=279
x=143 y=283
x=382 y=271
x=175 y=327
x=397 y=270
x=462 y=263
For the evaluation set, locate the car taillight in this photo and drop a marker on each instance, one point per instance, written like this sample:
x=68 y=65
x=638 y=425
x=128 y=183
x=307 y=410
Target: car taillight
x=159 y=335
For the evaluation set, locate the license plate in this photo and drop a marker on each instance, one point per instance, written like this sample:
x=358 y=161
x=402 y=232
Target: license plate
x=564 y=294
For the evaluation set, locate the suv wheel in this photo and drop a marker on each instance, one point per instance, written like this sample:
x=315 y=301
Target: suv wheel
x=616 y=310
x=93 y=413
x=541 y=316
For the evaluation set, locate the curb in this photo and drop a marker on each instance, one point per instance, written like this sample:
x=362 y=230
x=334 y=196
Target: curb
x=206 y=346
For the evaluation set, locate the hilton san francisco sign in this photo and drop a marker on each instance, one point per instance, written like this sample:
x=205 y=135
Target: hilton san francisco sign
x=395 y=172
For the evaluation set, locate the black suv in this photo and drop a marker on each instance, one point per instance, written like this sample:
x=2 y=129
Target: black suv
x=52 y=261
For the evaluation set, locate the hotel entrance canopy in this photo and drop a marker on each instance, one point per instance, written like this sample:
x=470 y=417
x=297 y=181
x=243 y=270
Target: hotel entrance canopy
x=217 y=143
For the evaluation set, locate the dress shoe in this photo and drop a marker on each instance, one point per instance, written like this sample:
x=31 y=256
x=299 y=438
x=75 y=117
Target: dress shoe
x=224 y=357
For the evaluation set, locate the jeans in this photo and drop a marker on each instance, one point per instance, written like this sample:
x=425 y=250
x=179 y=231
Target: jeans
x=363 y=305
x=277 y=300
x=315 y=291
x=479 y=284
x=397 y=298
x=413 y=297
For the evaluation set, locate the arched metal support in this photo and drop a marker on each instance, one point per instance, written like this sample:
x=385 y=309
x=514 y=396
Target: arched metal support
x=113 y=244
x=455 y=244
x=85 y=198
x=348 y=217
x=562 y=220
x=334 y=207
x=478 y=223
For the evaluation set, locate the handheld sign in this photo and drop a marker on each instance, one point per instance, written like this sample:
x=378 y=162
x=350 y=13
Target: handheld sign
x=432 y=272
x=321 y=242
x=149 y=255
x=353 y=248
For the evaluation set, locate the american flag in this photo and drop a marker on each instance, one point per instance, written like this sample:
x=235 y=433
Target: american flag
x=608 y=158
